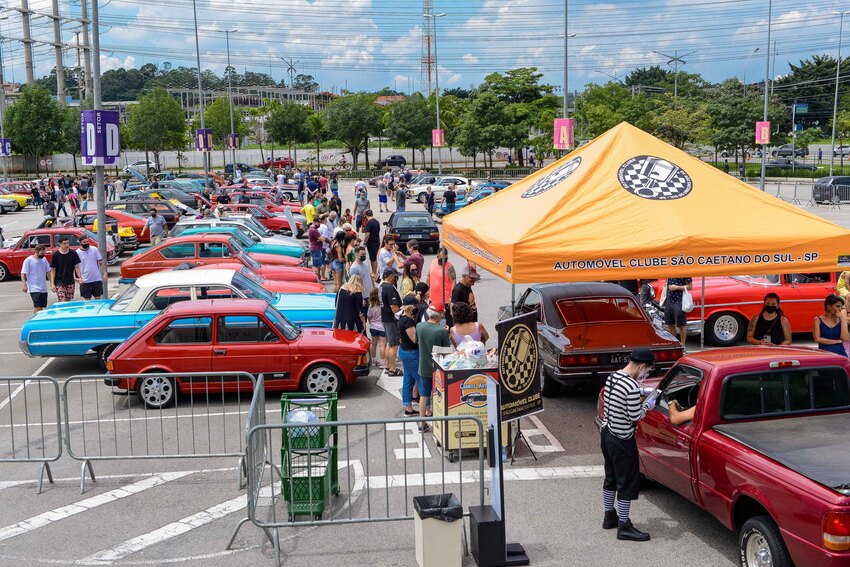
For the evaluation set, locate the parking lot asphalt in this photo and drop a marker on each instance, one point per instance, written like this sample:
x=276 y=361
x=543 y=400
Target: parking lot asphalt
x=160 y=512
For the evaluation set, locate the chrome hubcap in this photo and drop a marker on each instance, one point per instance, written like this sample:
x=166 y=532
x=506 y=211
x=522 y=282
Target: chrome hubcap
x=726 y=327
x=758 y=552
x=156 y=390
x=322 y=380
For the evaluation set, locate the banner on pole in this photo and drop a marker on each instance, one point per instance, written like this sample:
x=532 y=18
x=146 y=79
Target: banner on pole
x=100 y=140
x=763 y=133
x=233 y=141
x=519 y=373
x=204 y=139
x=564 y=128
x=5 y=147
x=438 y=138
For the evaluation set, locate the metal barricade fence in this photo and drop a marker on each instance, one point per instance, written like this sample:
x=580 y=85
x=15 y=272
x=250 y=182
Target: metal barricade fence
x=30 y=411
x=202 y=417
x=382 y=465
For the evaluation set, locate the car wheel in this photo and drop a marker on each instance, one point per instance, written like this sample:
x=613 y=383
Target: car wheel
x=287 y=196
x=760 y=543
x=725 y=329
x=421 y=198
x=321 y=379
x=548 y=386
x=18 y=207
x=103 y=353
x=4 y=272
x=155 y=390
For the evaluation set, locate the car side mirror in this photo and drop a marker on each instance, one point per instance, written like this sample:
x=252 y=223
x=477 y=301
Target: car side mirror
x=255 y=238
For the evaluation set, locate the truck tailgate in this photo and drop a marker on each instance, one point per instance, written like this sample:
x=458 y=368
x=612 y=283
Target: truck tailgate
x=816 y=447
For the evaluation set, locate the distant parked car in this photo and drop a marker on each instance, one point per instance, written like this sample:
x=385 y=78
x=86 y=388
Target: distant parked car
x=788 y=150
x=391 y=161
x=244 y=167
x=841 y=151
x=831 y=189
x=143 y=166
x=414 y=225
x=438 y=187
x=278 y=163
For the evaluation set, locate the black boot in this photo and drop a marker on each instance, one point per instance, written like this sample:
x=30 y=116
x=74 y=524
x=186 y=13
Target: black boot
x=626 y=531
x=611 y=520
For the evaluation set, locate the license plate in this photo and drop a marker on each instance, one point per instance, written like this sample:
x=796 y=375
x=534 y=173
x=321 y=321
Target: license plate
x=416 y=236
x=619 y=358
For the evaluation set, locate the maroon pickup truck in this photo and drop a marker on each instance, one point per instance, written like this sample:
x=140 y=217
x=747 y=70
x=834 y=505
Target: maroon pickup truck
x=767 y=452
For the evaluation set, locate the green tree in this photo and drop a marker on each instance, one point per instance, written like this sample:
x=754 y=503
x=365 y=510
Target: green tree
x=69 y=141
x=410 y=123
x=351 y=118
x=34 y=123
x=813 y=81
x=257 y=126
x=733 y=116
x=495 y=126
x=649 y=77
x=317 y=128
x=157 y=123
x=685 y=123
x=287 y=124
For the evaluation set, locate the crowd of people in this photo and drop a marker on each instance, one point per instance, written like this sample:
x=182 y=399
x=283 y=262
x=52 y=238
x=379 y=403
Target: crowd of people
x=63 y=273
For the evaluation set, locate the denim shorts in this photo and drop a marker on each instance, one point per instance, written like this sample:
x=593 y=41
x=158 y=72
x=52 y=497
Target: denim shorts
x=318 y=257
x=336 y=265
x=377 y=333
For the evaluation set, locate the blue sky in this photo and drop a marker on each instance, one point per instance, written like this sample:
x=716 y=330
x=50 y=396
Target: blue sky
x=369 y=44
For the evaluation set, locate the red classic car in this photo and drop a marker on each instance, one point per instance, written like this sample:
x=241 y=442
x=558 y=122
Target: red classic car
x=281 y=285
x=12 y=259
x=277 y=163
x=264 y=217
x=18 y=187
x=245 y=335
x=198 y=249
x=732 y=301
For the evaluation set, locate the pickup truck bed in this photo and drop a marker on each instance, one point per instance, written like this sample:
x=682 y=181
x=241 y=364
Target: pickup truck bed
x=816 y=447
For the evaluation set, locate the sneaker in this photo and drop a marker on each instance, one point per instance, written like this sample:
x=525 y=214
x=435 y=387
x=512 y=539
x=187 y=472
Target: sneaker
x=424 y=428
x=626 y=531
x=408 y=413
x=611 y=520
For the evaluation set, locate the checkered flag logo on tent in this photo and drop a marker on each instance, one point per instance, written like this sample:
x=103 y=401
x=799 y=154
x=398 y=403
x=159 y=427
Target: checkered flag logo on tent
x=545 y=183
x=654 y=178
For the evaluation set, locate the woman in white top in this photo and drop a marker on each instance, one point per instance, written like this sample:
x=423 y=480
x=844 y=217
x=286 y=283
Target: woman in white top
x=465 y=325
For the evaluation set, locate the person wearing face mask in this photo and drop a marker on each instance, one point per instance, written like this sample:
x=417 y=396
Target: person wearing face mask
x=92 y=270
x=623 y=409
x=34 y=277
x=157 y=226
x=64 y=271
x=363 y=268
x=770 y=326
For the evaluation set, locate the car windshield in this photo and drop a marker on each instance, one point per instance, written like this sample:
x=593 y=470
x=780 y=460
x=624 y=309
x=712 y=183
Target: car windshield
x=248 y=261
x=89 y=234
x=599 y=310
x=122 y=301
x=758 y=280
x=236 y=245
x=284 y=325
x=253 y=276
x=413 y=221
x=250 y=289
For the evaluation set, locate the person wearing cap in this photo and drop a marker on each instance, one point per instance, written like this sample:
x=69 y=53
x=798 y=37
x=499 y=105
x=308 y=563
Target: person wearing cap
x=361 y=205
x=390 y=305
x=372 y=238
x=462 y=293
x=623 y=408
x=414 y=256
x=408 y=353
x=92 y=270
x=429 y=334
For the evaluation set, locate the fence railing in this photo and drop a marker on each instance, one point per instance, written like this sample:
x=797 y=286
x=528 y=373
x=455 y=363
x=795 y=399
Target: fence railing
x=192 y=423
x=30 y=411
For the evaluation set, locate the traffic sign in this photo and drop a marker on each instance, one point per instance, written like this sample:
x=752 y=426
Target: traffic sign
x=801 y=107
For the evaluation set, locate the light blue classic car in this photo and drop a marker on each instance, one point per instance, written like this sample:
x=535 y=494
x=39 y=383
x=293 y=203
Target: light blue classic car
x=75 y=328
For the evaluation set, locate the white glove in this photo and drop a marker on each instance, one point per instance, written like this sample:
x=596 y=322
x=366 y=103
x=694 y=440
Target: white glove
x=646 y=391
x=650 y=401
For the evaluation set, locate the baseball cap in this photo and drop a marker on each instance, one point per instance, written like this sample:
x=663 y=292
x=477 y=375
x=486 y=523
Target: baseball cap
x=360 y=185
x=410 y=299
x=368 y=213
x=642 y=355
x=471 y=272
x=390 y=272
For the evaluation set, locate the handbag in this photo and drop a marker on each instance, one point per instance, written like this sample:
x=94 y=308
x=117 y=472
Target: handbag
x=663 y=298
x=687 y=301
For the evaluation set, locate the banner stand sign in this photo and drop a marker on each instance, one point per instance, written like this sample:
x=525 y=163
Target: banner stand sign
x=763 y=133
x=438 y=138
x=100 y=141
x=563 y=133
x=204 y=139
x=233 y=141
x=5 y=147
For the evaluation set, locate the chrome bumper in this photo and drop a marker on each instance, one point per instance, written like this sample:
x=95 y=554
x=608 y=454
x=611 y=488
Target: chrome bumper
x=25 y=349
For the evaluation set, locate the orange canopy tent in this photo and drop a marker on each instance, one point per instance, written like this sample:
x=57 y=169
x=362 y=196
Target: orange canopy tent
x=628 y=206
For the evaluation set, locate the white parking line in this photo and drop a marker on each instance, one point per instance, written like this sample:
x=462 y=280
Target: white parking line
x=18 y=390
x=58 y=514
x=75 y=479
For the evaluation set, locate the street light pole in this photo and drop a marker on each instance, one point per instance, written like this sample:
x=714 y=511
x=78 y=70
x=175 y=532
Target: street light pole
x=766 y=79
x=3 y=107
x=747 y=65
x=835 y=102
x=566 y=55
x=437 y=89
x=200 y=86
x=99 y=184
x=230 y=95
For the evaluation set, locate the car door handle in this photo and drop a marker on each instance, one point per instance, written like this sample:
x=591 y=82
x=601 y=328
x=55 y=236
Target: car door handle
x=220 y=351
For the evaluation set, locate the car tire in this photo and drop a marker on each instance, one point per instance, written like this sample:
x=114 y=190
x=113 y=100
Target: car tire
x=321 y=379
x=4 y=272
x=549 y=388
x=760 y=543
x=155 y=390
x=103 y=353
x=725 y=329
x=287 y=196
x=420 y=198
x=18 y=207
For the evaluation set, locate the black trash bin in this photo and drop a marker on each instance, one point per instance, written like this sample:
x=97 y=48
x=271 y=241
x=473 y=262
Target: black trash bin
x=438 y=534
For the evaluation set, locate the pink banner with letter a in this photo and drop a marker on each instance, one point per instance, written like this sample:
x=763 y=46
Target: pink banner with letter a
x=564 y=133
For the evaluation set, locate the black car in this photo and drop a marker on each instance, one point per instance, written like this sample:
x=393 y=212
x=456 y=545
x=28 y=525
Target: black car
x=788 y=150
x=391 y=161
x=142 y=207
x=785 y=163
x=228 y=169
x=831 y=189
x=164 y=192
x=586 y=331
x=414 y=225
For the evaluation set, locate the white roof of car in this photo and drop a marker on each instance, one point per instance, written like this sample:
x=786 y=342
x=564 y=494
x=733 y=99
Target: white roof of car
x=185 y=277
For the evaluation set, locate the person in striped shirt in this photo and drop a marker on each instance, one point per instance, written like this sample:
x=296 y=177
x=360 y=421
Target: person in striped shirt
x=623 y=409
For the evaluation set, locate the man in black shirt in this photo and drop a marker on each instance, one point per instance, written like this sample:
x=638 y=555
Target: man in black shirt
x=450 y=197
x=224 y=198
x=390 y=305
x=462 y=292
x=64 y=271
x=372 y=237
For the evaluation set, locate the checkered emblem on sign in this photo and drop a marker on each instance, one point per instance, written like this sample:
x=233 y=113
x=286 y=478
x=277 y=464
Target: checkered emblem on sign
x=545 y=183
x=518 y=360
x=654 y=178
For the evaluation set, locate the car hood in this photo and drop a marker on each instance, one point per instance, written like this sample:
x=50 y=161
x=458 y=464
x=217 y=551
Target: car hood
x=281 y=248
x=622 y=335
x=76 y=309
x=315 y=337
x=275 y=259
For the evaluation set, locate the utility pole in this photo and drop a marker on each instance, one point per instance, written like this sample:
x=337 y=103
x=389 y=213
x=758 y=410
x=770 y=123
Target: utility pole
x=835 y=103
x=230 y=95
x=27 y=40
x=99 y=184
x=766 y=92
x=80 y=79
x=200 y=87
x=60 y=68
x=437 y=87
x=3 y=108
x=87 y=77
x=675 y=59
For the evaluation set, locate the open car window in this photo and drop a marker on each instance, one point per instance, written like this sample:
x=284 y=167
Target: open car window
x=785 y=391
x=681 y=384
x=813 y=278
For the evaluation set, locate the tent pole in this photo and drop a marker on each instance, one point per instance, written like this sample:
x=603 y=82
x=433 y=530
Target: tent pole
x=513 y=299
x=702 y=316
